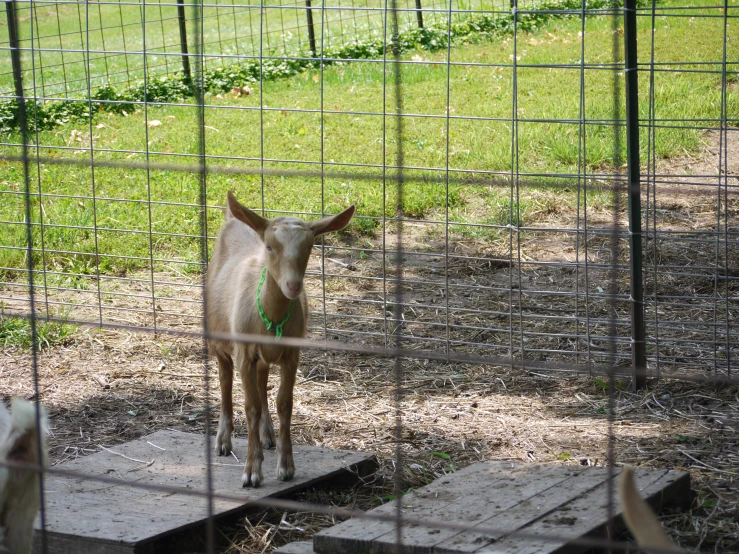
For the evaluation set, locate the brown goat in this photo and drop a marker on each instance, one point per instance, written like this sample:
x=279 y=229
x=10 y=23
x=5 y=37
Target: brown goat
x=253 y=253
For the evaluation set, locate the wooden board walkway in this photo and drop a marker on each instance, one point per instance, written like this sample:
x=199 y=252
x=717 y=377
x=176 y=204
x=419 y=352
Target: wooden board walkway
x=84 y=516
x=557 y=503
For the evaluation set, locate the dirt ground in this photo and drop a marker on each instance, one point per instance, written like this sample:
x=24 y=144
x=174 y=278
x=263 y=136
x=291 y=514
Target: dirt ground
x=108 y=386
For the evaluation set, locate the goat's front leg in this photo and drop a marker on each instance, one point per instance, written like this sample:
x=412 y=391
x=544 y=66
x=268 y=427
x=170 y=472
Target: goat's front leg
x=267 y=430
x=253 y=408
x=285 y=463
x=225 y=421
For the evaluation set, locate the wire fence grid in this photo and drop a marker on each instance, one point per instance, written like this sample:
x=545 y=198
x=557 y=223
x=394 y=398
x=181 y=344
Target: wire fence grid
x=118 y=39
x=545 y=307
x=515 y=207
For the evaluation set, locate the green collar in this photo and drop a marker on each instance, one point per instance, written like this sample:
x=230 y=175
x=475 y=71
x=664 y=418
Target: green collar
x=271 y=326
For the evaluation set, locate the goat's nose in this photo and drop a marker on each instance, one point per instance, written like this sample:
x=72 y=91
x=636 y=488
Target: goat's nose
x=294 y=286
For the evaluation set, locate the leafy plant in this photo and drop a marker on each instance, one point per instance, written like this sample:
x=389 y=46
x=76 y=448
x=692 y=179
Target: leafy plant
x=17 y=332
x=389 y=497
x=443 y=455
x=603 y=384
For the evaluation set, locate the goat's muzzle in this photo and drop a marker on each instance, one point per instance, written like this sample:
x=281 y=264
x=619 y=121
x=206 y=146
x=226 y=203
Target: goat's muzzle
x=292 y=288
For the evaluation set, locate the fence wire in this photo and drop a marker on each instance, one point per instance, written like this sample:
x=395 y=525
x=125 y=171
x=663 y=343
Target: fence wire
x=121 y=41
x=500 y=220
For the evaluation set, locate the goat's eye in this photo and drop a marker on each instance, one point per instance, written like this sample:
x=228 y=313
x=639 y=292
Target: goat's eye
x=269 y=248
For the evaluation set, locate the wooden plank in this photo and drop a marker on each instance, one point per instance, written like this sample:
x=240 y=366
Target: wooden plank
x=298 y=547
x=525 y=507
x=477 y=492
x=511 y=502
x=60 y=544
x=587 y=515
x=360 y=535
x=96 y=514
x=566 y=502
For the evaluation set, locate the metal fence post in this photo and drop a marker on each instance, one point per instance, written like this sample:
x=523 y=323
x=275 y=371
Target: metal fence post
x=419 y=14
x=183 y=39
x=15 y=55
x=638 y=331
x=311 y=28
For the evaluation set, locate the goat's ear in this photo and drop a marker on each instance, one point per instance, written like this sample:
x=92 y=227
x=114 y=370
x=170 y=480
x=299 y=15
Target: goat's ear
x=23 y=449
x=6 y=422
x=640 y=518
x=332 y=223
x=245 y=215
x=25 y=431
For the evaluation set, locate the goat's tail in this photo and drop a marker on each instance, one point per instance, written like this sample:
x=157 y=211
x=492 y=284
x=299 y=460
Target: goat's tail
x=640 y=518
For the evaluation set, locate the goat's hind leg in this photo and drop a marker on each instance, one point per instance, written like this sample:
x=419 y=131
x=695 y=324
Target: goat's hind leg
x=285 y=462
x=253 y=407
x=267 y=431
x=225 y=420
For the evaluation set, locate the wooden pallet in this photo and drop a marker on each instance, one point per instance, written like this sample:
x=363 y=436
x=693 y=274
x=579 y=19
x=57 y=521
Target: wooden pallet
x=84 y=516
x=298 y=547
x=557 y=503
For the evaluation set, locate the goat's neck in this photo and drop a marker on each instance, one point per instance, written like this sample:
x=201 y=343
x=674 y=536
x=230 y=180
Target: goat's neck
x=275 y=303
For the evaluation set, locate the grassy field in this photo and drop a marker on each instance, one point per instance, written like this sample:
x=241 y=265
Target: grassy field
x=117 y=33
x=351 y=131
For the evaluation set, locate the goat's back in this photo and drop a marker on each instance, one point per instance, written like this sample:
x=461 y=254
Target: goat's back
x=233 y=276
x=236 y=241
x=237 y=259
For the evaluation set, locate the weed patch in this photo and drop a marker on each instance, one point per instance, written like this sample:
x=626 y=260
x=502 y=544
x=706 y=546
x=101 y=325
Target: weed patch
x=16 y=332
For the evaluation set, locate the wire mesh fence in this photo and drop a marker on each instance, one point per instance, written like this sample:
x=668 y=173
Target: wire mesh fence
x=118 y=43
x=537 y=187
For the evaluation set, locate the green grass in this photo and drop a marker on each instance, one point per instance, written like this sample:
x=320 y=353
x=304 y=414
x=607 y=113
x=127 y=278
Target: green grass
x=60 y=36
x=16 y=332
x=293 y=141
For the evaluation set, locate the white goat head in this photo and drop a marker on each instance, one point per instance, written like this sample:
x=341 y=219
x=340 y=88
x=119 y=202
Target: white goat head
x=288 y=241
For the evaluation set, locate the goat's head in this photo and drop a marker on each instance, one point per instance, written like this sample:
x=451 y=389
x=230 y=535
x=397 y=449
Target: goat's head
x=288 y=242
x=19 y=438
x=20 y=435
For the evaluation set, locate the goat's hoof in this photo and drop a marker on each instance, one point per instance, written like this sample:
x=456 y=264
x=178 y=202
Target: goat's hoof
x=223 y=448
x=285 y=470
x=251 y=479
x=285 y=473
x=223 y=440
